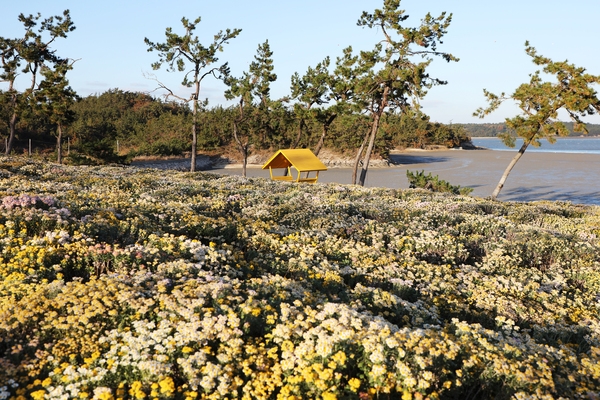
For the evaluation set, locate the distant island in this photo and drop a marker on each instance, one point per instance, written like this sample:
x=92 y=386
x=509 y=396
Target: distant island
x=494 y=129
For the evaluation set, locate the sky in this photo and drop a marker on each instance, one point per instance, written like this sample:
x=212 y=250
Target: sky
x=487 y=36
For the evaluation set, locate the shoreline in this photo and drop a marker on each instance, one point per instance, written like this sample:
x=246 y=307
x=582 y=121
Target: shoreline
x=537 y=176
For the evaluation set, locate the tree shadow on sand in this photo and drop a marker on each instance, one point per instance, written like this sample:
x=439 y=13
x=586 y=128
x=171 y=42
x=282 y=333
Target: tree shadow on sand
x=405 y=159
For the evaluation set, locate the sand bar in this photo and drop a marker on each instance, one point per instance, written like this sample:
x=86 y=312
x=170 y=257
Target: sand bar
x=537 y=176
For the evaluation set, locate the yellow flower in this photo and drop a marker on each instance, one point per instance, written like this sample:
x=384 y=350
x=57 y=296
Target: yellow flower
x=287 y=346
x=272 y=353
x=186 y=349
x=105 y=396
x=354 y=384
x=339 y=357
x=38 y=395
x=167 y=386
x=136 y=390
x=329 y=396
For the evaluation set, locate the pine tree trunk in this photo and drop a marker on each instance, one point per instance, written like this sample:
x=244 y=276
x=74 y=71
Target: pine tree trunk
x=245 y=162
x=319 y=145
x=357 y=159
x=299 y=135
x=242 y=146
x=11 y=138
x=374 y=129
x=511 y=165
x=324 y=134
x=194 y=135
x=297 y=141
x=367 y=159
x=195 y=123
x=59 y=145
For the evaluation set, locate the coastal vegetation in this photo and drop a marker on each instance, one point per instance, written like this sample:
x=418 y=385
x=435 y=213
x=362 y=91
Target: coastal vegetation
x=187 y=55
x=33 y=55
x=117 y=282
x=124 y=283
x=434 y=183
x=116 y=126
x=540 y=102
x=366 y=104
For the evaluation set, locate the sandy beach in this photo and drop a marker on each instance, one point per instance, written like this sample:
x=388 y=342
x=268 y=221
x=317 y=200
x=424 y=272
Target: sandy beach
x=537 y=176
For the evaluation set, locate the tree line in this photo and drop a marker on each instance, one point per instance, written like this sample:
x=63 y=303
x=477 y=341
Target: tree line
x=117 y=125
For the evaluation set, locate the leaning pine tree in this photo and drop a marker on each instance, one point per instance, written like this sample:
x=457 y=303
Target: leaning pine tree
x=394 y=74
x=540 y=103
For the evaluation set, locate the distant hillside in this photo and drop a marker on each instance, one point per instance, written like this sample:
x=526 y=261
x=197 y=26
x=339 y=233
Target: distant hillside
x=492 y=130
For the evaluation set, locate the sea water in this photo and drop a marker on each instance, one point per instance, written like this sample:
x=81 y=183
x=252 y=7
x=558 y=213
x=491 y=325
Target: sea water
x=588 y=145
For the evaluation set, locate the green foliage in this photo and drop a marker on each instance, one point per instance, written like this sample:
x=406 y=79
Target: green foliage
x=328 y=112
x=389 y=77
x=146 y=126
x=55 y=95
x=252 y=126
x=29 y=55
x=178 y=50
x=348 y=131
x=434 y=183
x=171 y=147
x=136 y=120
x=55 y=98
x=540 y=103
x=414 y=129
x=314 y=92
x=181 y=52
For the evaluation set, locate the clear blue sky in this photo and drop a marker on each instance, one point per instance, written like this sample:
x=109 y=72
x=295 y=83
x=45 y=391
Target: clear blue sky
x=487 y=36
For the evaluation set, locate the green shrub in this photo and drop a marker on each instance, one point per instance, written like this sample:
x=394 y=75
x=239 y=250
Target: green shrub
x=434 y=183
x=170 y=147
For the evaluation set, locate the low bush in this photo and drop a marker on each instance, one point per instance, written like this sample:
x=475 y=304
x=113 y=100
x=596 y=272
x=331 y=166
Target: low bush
x=434 y=183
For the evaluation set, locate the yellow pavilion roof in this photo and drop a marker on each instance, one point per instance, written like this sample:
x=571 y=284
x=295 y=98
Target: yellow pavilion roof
x=303 y=160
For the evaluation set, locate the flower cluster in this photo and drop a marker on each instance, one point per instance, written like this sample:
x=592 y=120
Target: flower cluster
x=125 y=283
x=25 y=200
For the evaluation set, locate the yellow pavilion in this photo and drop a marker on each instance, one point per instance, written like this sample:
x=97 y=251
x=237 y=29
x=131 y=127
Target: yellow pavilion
x=303 y=161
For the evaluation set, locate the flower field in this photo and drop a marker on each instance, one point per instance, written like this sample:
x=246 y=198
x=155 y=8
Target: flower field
x=125 y=283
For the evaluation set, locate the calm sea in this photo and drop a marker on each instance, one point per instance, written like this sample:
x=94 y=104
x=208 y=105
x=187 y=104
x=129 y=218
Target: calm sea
x=589 y=145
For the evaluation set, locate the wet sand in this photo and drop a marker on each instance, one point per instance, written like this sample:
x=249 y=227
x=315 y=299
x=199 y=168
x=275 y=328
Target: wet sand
x=537 y=176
